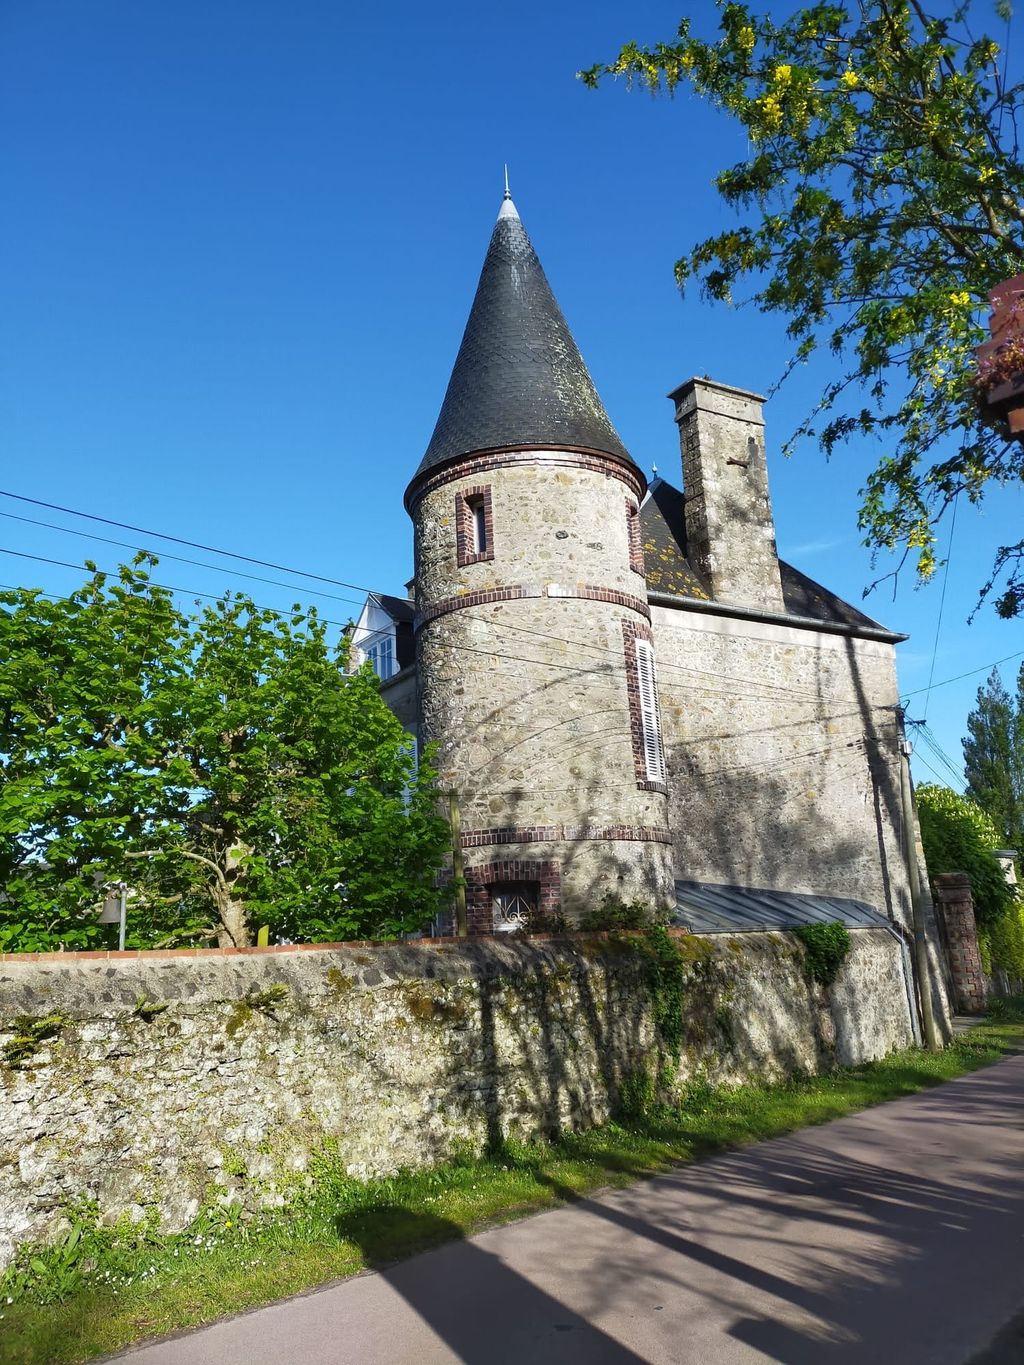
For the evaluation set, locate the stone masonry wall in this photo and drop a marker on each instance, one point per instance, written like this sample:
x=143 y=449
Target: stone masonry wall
x=528 y=695
x=783 y=761
x=170 y=1079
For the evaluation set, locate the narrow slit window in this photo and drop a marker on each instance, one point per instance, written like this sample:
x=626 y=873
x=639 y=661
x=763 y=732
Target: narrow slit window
x=474 y=529
x=654 y=751
x=636 y=545
x=478 y=525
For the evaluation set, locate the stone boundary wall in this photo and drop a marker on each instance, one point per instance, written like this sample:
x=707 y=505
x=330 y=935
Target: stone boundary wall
x=160 y=1081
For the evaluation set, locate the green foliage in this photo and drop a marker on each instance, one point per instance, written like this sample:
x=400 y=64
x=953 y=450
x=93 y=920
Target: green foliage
x=959 y=837
x=268 y=999
x=149 y=1009
x=994 y=757
x=223 y=764
x=1002 y=942
x=28 y=1034
x=614 y=913
x=825 y=950
x=668 y=982
x=1006 y=1009
x=881 y=198
x=638 y=1095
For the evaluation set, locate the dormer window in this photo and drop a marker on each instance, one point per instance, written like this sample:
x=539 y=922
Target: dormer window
x=474 y=526
x=381 y=655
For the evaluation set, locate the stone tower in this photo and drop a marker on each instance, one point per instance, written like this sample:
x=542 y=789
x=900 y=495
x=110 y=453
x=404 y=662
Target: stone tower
x=534 y=648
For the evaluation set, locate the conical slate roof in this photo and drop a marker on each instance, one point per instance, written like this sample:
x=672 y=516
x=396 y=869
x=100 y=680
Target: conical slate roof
x=519 y=379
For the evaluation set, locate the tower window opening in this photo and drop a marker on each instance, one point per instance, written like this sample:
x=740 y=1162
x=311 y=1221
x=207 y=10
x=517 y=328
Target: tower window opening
x=474 y=528
x=636 y=545
x=478 y=525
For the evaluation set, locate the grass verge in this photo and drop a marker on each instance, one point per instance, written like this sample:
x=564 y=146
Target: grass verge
x=110 y=1289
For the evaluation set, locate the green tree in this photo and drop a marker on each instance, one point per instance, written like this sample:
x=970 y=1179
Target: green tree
x=881 y=199
x=959 y=837
x=223 y=764
x=994 y=757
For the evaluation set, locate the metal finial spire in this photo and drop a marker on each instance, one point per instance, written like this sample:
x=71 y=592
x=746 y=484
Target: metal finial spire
x=654 y=470
x=508 y=194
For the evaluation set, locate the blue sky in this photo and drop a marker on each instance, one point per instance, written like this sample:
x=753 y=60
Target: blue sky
x=239 y=245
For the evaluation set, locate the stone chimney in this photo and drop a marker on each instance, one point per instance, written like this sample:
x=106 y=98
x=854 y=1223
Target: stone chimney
x=730 y=534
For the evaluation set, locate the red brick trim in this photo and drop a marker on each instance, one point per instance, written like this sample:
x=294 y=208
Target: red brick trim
x=481 y=878
x=631 y=632
x=465 y=501
x=483 y=462
x=532 y=834
x=636 y=544
x=514 y=592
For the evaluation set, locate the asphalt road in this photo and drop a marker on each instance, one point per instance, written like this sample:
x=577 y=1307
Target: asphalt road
x=896 y=1235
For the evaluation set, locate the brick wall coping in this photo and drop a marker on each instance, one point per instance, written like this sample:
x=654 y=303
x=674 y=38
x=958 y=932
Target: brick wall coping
x=439 y=944
x=952 y=885
x=149 y=954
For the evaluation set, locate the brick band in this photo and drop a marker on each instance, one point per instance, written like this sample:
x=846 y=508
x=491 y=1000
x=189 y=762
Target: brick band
x=549 y=834
x=485 y=461
x=515 y=592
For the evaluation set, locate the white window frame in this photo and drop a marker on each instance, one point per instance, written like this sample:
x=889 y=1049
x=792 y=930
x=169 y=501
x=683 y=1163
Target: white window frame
x=381 y=654
x=650 y=718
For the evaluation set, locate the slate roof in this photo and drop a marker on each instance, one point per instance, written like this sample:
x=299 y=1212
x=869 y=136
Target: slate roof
x=710 y=908
x=398 y=608
x=663 y=530
x=519 y=379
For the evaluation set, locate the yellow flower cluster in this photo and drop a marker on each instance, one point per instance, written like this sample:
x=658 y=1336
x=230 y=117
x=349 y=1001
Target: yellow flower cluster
x=850 y=78
x=745 y=39
x=960 y=299
x=782 y=73
x=770 y=109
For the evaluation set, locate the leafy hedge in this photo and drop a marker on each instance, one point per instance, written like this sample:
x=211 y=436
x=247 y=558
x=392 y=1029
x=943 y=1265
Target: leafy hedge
x=959 y=837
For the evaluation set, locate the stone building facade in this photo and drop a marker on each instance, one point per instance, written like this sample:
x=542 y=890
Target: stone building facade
x=629 y=691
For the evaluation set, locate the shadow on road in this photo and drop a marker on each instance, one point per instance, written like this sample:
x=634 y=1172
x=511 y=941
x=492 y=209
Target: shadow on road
x=469 y=1297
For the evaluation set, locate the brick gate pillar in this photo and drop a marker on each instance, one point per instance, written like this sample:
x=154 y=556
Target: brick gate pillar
x=953 y=892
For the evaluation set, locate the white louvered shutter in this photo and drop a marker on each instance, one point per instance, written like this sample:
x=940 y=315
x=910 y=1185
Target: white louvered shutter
x=654 y=753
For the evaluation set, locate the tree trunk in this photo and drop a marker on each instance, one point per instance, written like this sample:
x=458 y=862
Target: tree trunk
x=233 y=926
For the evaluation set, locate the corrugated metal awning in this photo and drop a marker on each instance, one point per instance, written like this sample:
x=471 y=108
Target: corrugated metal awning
x=707 y=908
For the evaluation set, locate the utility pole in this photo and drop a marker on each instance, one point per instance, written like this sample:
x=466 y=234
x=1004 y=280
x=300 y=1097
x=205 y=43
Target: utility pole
x=458 y=867
x=924 y=981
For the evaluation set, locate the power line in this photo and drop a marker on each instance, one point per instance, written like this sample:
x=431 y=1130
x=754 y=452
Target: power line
x=180 y=559
x=166 y=587
x=179 y=540
x=358 y=587
x=971 y=672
